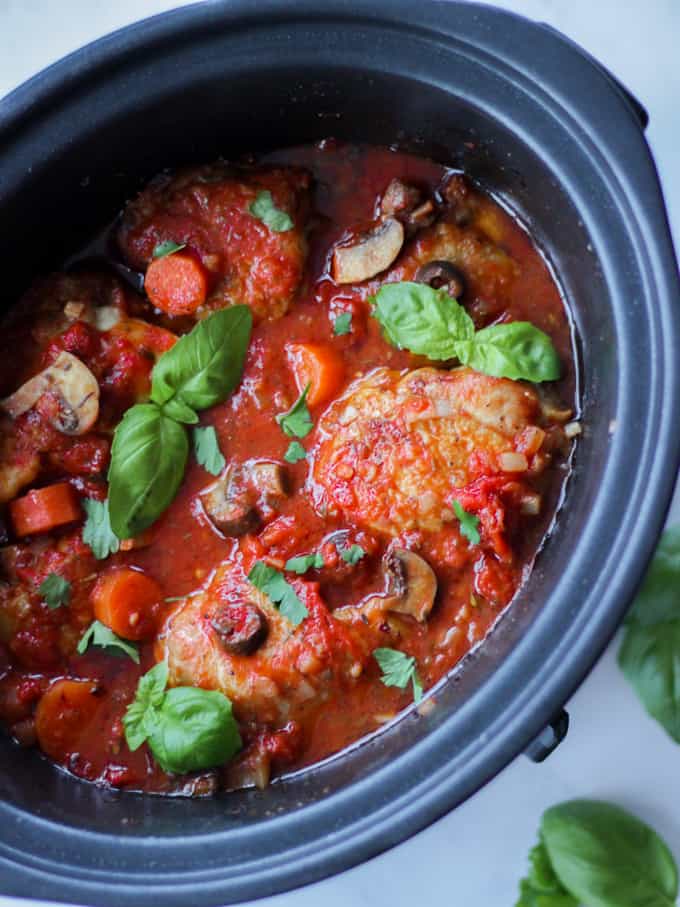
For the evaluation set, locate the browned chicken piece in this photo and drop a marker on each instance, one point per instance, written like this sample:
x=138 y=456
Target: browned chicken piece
x=208 y=210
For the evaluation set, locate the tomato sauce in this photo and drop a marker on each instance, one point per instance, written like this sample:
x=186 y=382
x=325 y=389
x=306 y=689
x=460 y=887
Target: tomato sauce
x=183 y=547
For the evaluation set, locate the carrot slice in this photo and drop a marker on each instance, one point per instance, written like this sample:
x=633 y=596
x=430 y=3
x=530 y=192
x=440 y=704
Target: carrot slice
x=63 y=716
x=44 y=509
x=177 y=283
x=126 y=601
x=319 y=366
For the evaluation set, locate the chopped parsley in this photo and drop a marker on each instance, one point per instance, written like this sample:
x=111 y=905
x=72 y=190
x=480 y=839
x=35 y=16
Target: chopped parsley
x=296 y=422
x=295 y=452
x=55 y=590
x=273 y=583
x=207 y=450
x=97 y=531
x=99 y=635
x=342 y=324
x=468 y=523
x=398 y=670
x=304 y=562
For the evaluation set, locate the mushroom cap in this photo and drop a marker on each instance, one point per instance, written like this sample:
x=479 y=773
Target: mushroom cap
x=73 y=386
x=369 y=254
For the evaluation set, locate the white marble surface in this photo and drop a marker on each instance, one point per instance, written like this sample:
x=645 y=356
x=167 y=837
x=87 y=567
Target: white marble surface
x=475 y=856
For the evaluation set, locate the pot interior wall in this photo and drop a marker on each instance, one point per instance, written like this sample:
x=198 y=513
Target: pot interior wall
x=83 y=180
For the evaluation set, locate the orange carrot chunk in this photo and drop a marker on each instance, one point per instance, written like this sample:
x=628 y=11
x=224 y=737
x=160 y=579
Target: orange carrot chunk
x=63 y=716
x=319 y=366
x=177 y=283
x=127 y=602
x=44 y=509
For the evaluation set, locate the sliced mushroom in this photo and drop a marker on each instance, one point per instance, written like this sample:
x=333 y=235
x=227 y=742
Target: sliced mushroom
x=243 y=495
x=411 y=583
x=399 y=198
x=268 y=481
x=229 y=503
x=73 y=386
x=240 y=627
x=370 y=254
x=410 y=588
x=442 y=274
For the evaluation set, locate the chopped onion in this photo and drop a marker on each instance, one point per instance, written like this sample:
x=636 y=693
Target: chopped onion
x=513 y=462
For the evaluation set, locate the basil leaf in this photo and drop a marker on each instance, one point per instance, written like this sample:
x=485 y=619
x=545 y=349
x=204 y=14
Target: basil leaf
x=304 y=562
x=398 y=670
x=204 y=366
x=167 y=248
x=207 y=450
x=295 y=452
x=468 y=523
x=297 y=421
x=517 y=350
x=264 y=209
x=606 y=857
x=148 y=458
x=650 y=660
x=99 y=635
x=278 y=589
x=55 y=590
x=658 y=599
x=97 y=531
x=342 y=324
x=416 y=317
x=352 y=555
x=650 y=651
x=141 y=715
x=541 y=887
x=431 y=323
x=193 y=729
x=188 y=729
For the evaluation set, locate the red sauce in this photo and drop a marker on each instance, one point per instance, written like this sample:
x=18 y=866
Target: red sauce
x=475 y=584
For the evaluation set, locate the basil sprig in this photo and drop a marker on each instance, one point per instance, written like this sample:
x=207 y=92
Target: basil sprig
x=650 y=651
x=150 y=445
x=429 y=322
x=598 y=854
x=187 y=728
x=264 y=209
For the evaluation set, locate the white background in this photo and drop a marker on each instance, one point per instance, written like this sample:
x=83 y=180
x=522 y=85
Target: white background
x=475 y=856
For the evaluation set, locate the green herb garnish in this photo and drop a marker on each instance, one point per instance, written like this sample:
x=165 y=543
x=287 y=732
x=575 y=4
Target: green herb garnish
x=273 y=583
x=295 y=452
x=264 y=209
x=97 y=531
x=55 y=590
x=596 y=853
x=650 y=652
x=429 y=322
x=352 y=555
x=167 y=248
x=398 y=670
x=150 y=445
x=207 y=450
x=187 y=728
x=468 y=523
x=304 y=562
x=99 y=635
x=342 y=324
x=297 y=422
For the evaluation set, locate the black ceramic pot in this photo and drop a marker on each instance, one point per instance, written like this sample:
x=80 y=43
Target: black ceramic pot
x=549 y=132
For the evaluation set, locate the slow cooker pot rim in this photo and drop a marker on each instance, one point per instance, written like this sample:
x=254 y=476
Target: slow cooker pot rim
x=644 y=210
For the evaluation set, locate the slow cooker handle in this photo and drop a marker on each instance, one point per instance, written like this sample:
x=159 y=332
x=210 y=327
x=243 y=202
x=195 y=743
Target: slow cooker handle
x=638 y=110
x=549 y=739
